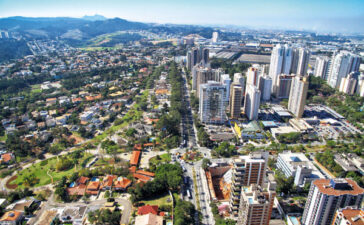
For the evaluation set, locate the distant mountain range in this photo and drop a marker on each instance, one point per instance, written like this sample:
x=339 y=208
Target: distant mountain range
x=88 y=27
x=95 y=17
x=84 y=28
x=81 y=32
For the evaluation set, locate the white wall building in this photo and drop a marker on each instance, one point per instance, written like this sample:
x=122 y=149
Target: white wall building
x=326 y=196
x=252 y=102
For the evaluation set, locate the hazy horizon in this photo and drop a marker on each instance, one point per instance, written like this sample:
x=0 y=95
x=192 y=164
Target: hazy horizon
x=334 y=16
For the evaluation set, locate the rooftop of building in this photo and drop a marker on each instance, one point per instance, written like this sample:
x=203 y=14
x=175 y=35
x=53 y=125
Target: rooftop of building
x=11 y=216
x=338 y=186
x=353 y=216
x=149 y=219
x=254 y=194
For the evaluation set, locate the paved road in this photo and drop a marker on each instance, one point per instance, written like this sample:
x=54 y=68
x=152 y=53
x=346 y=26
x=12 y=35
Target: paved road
x=189 y=135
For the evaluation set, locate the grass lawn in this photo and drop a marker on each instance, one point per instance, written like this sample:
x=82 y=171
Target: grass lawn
x=164 y=158
x=159 y=200
x=36 y=88
x=3 y=138
x=40 y=172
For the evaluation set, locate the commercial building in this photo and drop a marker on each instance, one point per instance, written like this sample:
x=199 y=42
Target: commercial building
x=322 y=67
x=349 y=216
x=326 y=196
x=265 y=87
x=298 y=95
x=298 y=166
x=276 y=131
x=252 y=102
x=236 y=96
x=247 y=170
x=212 y=103
x=342 y=64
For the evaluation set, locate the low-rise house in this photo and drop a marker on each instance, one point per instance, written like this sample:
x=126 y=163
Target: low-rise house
x=122 y=184
x=12 y=218
x=93 y=188
x=142 y=178
x=75 y=215
x=41 y=125
x=51 y=122
x=61 y=120
x=6 y=158
x=86 y=116
x=76 y=100
x=78 y=190
x=149 y=219
x=51 y=101
x=3 y=202
x=108 y=182
x=110 y=206
x=21 y=204
x=146 y=209
x=63 y=100
x=135 y=157
x=145 y=173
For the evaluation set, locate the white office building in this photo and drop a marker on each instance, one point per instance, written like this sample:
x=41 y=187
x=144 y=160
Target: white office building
x=298 y=166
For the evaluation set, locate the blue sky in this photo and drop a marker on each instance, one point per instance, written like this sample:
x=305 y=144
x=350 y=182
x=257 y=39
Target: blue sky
x=320 y=15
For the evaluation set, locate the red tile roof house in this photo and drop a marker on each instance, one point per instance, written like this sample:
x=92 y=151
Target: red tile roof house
x=142 y=178
x=6 y=157
x=135 y=157
x=145 y=173
x=82 y=180
x=148 y=209
x=122 y=184
x=107 y=182
x=93 y=188
x=79 y=190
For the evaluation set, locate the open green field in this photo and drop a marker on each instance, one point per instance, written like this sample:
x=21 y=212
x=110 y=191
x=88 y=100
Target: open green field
x=164 y=158
x=3 y=138
x=36 y=88
x=39 y=170
x=159 y=200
